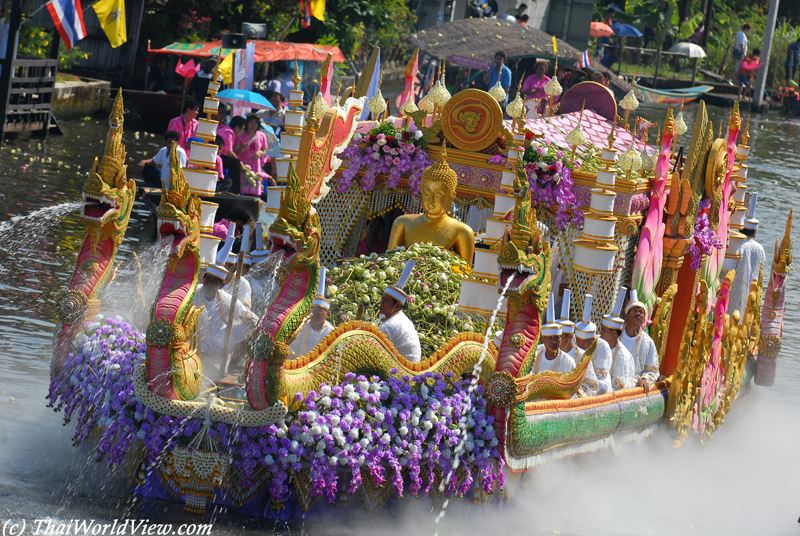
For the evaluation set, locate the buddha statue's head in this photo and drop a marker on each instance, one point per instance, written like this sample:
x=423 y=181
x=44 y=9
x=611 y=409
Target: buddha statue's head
x=438 y=187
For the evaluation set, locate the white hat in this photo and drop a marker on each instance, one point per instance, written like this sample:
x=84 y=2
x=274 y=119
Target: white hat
x=567 y=325
x=319 y=297
x=217 y=268
x=750 y=221
x=613 y=320
x=222 y=254
x=232 y=258
x=218 y=271
x=498 y=338
x=396 y=291
x=552 y=327
x=586 y=329
x=634 y=301
x=248 y=259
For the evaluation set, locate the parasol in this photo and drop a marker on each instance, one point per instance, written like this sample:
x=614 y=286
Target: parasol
x=625 y=30
x=248 y=99
x=688 y=49
x=601 y=29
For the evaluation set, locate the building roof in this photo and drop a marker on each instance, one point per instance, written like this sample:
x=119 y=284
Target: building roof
x=481 y=38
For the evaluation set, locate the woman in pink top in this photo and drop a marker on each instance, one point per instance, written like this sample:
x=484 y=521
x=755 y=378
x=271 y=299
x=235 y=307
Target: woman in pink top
x=251 y=148
x=186 y=124
x=533 y=88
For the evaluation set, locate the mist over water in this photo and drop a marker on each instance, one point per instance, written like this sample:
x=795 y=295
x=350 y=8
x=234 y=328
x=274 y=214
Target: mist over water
x=744 y=482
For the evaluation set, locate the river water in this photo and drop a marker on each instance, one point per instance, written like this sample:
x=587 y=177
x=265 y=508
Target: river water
x=744 y=482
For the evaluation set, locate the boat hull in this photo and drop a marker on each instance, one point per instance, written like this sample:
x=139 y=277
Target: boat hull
x=673 y=96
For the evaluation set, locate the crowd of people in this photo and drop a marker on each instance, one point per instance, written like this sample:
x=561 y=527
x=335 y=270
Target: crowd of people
x=245 y=161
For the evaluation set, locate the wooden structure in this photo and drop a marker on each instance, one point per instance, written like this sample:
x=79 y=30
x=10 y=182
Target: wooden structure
x=30 y=97
x=26 y=98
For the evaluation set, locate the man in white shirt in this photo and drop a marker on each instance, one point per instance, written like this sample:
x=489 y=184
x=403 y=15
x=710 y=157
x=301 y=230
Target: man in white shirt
x=394 y=323
x=161 y=161
x=622 y=370
x=590 y=384
x=213 y=321
x=245 y=291
x=639 y=344
x=317 y=326
x=740 y=47
x=548 y=354
x=748 y=268
x=585 y=335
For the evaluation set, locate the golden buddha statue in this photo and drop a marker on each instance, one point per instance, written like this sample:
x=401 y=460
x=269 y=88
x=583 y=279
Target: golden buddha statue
x=435 y=226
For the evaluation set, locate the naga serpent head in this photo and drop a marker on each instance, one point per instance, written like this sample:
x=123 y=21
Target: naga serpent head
x=523 y=256
x=179 y=211
x=297 y=230
x=108 y=194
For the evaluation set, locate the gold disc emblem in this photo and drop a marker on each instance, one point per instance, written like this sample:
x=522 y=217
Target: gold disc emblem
x=472 y=120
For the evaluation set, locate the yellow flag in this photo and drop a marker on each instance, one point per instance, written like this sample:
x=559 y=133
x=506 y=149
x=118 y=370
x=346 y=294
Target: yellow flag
x=227 y=68
x=111 y=14
x=555 y=46
x=318 y=9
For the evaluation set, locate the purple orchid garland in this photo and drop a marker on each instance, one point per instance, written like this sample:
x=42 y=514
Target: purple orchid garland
x=551 y=183
x=704 y=238
x=405 y=424
x=386 y=151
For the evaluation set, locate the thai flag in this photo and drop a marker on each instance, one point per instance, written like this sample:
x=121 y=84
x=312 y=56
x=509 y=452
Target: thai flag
x=305 y=9
x=585 y=60
x=68 y=19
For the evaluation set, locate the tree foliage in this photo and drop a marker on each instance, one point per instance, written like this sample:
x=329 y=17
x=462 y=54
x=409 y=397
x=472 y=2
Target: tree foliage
x=350 y=24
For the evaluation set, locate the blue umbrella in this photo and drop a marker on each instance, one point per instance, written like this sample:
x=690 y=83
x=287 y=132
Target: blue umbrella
x=622 y=30
x=248 y=99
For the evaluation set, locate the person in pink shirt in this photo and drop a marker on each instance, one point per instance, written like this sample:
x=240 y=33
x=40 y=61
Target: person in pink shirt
x=251 y=147
x=533 y=88
x=186 y=124
x=228 y=135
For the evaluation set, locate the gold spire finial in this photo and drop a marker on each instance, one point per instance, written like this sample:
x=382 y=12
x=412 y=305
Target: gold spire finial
x=296 y=77
x=117 y=116
x=312 y=114
x=612 y=136
x=746 y=135
x=338 y=89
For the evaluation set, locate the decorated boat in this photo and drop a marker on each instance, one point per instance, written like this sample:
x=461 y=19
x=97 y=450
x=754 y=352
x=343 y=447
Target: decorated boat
x=673 y=96
x=515 y=210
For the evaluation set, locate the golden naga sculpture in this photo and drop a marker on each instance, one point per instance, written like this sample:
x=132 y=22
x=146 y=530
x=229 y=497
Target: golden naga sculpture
x=435 y=226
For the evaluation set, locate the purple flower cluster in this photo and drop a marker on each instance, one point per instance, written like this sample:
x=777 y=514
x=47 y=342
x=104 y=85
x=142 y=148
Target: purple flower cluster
x=498 y=160
x=704 y=238
x=366 y=425
x=96 y=388
x=404 y=429
x=386 y=151
x=551 y=183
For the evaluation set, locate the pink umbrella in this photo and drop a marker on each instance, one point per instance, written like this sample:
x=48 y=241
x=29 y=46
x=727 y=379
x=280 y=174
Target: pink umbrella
x=600 y=29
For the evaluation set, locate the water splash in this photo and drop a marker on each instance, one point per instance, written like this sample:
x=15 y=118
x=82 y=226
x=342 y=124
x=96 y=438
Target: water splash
x=29 y=235
x=466 y=415
x=136 y=284
x=267 y=275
